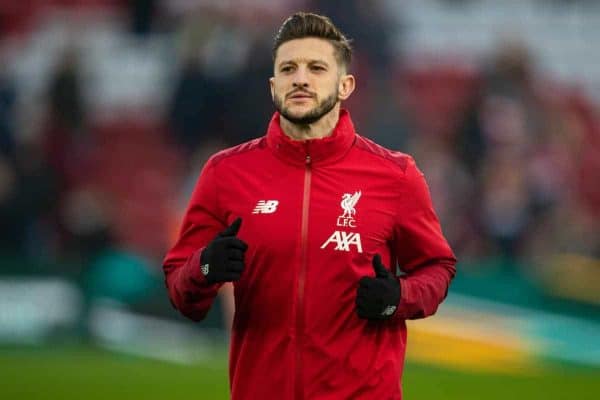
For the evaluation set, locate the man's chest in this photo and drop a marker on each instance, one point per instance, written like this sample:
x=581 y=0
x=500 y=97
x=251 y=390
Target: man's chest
x=328 y=209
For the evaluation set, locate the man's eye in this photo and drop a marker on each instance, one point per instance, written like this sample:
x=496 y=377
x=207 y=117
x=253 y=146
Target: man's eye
x=286 y=69
x=318 y=68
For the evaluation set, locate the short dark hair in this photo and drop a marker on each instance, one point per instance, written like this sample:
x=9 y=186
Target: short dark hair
x=303 y=25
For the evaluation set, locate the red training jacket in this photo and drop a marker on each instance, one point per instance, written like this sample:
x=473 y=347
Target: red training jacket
x=314 y=214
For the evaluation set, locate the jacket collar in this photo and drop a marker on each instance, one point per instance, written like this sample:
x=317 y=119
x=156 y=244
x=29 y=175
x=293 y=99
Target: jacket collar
x=325 y=150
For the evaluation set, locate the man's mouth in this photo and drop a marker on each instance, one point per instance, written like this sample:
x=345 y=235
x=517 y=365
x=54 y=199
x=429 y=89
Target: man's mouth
x=300 y=95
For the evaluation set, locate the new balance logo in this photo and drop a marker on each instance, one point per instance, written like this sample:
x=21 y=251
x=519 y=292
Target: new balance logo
x=205 y=269
x=266 y=207
x=343 y=241
x=389 y=310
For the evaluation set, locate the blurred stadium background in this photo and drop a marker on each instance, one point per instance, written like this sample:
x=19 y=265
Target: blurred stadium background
x=108 y=109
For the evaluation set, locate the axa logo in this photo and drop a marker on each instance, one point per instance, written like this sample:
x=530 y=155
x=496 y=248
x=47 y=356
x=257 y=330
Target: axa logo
x=343 y=241
x=349 y=206
x=266 y=207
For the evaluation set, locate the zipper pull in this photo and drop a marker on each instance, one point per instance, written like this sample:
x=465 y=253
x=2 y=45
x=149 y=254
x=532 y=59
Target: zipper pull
x=307 y=159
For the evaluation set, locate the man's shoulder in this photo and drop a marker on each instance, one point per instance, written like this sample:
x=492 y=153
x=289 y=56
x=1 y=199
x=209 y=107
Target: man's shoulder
x=245 y=148
x=399 y=159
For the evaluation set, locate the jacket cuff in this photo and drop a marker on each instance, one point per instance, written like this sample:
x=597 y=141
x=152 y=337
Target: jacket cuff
x=406 y=309
x=403 y=289
x=192 y=272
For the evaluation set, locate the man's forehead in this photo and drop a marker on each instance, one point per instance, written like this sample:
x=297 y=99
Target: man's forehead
x=305 y=50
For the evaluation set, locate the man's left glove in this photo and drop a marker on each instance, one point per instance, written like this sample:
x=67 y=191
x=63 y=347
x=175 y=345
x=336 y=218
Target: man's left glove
x=378 y=298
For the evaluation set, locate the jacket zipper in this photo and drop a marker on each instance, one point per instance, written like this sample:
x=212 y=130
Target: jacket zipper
x=299 y=388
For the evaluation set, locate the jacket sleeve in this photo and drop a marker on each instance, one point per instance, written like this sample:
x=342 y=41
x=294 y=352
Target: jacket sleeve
x=188 y=290
x=421 y=250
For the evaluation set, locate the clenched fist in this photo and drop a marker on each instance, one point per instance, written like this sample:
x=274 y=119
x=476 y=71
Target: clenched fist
x=223 y=259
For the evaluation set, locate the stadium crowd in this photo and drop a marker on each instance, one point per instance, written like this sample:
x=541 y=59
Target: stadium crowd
x=512 y=158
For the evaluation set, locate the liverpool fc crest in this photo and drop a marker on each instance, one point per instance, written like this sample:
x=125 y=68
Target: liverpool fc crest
x=348 y=204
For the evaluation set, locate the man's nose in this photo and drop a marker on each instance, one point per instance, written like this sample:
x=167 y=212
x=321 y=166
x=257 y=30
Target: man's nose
x=301 y=78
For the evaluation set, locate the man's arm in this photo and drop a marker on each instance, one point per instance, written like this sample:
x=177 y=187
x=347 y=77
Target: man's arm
x=189 y=291
x=421 y=250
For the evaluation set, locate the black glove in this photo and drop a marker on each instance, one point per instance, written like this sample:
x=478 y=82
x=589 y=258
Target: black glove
x=223 y=259
x=378 y=298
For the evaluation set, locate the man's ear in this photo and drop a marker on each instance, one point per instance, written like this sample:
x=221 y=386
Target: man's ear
x=272 y=86
x=346 y=86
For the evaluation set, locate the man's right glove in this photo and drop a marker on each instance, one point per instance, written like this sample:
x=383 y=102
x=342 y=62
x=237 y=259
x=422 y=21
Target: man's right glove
x=223 y=259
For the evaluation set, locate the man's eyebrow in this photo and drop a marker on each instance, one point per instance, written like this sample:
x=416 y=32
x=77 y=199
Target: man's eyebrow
x=303 y=60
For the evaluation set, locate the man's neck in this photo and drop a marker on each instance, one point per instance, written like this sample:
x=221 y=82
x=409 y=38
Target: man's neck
x=320 y=129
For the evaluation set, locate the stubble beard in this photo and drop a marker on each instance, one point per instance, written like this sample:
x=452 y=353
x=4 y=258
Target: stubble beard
x=309 y=117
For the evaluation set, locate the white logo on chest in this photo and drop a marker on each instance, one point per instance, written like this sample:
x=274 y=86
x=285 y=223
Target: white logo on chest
x=348 y=205
x=343 y=241
x=266 y=207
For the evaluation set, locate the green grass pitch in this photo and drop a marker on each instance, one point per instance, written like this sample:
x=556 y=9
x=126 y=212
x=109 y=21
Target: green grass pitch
x=86 y=373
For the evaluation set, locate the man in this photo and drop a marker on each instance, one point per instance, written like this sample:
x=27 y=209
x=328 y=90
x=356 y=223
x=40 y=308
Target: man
x=307 y=221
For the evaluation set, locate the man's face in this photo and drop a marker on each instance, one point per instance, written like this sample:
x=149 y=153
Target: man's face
x=306 y=81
